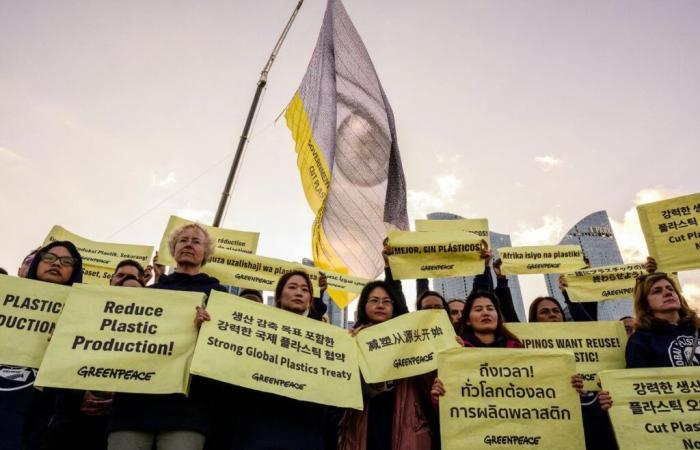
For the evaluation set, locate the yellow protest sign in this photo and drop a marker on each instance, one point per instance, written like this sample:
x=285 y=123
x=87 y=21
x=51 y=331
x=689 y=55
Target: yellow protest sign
x=261 y=272
x=100 y=258
x=655 y=408
x=509 y=399
x=28 y=315
x=118 y=339
x=541 y=259
x=223 y=239
x=405 y=346
x=672 y=232
x=603 y=283
x=267 y=349
x=435 y=254
x=480 y=227
x=596 y=346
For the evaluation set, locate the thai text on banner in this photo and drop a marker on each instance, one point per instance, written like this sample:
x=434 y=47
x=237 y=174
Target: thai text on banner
x=29 y=311
x=435 y=254
x=596 y=346
x=119 y=339
x=541 y=259
x=655 y=408
x=267 y=349
x=405 y=346
x=509 y=399
x=100 y=259
x=672 y=232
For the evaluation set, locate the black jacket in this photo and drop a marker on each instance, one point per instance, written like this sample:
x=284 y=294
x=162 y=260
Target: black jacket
x=662 y=346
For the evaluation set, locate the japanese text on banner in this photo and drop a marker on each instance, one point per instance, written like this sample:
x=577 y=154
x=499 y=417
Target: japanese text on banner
x=118 y=339
x=603 y=283
x=435 y=254
x=100 y=259
x=672 y=232
x=405 y=346
x=271 y=350
x=655 y=408
x=509 y=399
x=541 y=259
x=596 y=346
x=28 y=315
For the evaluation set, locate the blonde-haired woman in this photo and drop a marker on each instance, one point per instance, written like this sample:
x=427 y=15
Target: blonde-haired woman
x=173 y=421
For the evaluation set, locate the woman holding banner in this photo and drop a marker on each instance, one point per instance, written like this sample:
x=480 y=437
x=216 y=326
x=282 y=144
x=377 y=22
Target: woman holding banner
x=667 y=328
x=394 y=415
x=263 y=421
x=24 y=411
x=172 y=421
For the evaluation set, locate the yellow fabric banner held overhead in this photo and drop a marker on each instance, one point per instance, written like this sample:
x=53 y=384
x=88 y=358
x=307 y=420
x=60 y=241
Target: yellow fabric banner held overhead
x=260 y=272
x=435 y=254
x=509 y=399
x=28 y=315
x=541 y=259
x=480 y=227
x=119 y=339
x=655 y=408
x=596 y=346
x=224 y=240
x=100 y=258
x=672 y=232
x=603 y=283
x=270 y=350
x=405 y=346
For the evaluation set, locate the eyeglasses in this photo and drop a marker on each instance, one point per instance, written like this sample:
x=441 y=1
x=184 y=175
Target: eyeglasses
x=66 y=261
x=432 y=307
x=380 y=301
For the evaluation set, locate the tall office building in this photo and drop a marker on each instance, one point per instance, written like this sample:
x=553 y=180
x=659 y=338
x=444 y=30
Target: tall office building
x=597 y=240
x=460 y=287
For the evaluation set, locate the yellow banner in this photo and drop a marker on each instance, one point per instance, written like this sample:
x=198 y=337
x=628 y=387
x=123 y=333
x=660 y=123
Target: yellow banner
x=509 y=399
x=100 y=258
x=28 y=315
x=260 y=272
x=541 y=259
x=435 y=254
x=267 y=349
x=480 y=227
x=596 y=346
x=655 y=408
x=224 y=241
x=119 y=339
x=603 y=283
x=405 y=346
x=672 y=232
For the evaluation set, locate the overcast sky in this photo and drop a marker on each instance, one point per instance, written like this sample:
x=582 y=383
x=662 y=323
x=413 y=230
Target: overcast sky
x=115 y=115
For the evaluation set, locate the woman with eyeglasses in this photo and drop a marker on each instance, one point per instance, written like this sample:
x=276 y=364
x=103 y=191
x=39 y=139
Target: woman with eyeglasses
x=666 y=332
x=24 y=411
x=394 y=414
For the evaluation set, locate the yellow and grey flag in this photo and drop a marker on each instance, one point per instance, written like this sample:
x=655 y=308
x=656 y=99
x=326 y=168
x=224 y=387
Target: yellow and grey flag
x=347 y=151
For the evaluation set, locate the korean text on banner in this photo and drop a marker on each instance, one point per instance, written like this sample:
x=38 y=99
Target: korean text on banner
x=541 y=259
x=28 y=315
x=672 y=232
x=100 y=259
x=596 y=346
x=603 y=283
x=118 y=339
x=480 y=227
x=405 y=346
x=509 y=399
x=271 y=350
x=655 y=408
x=435 y=254
x=223 y=239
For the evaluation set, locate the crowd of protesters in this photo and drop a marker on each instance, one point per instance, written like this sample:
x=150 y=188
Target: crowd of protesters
x=397 y=415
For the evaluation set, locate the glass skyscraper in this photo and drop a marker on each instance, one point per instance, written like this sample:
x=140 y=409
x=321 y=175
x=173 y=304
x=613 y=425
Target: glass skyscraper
x=597 y=240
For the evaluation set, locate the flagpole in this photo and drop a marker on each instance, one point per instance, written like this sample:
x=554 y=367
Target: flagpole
x=226 y=194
